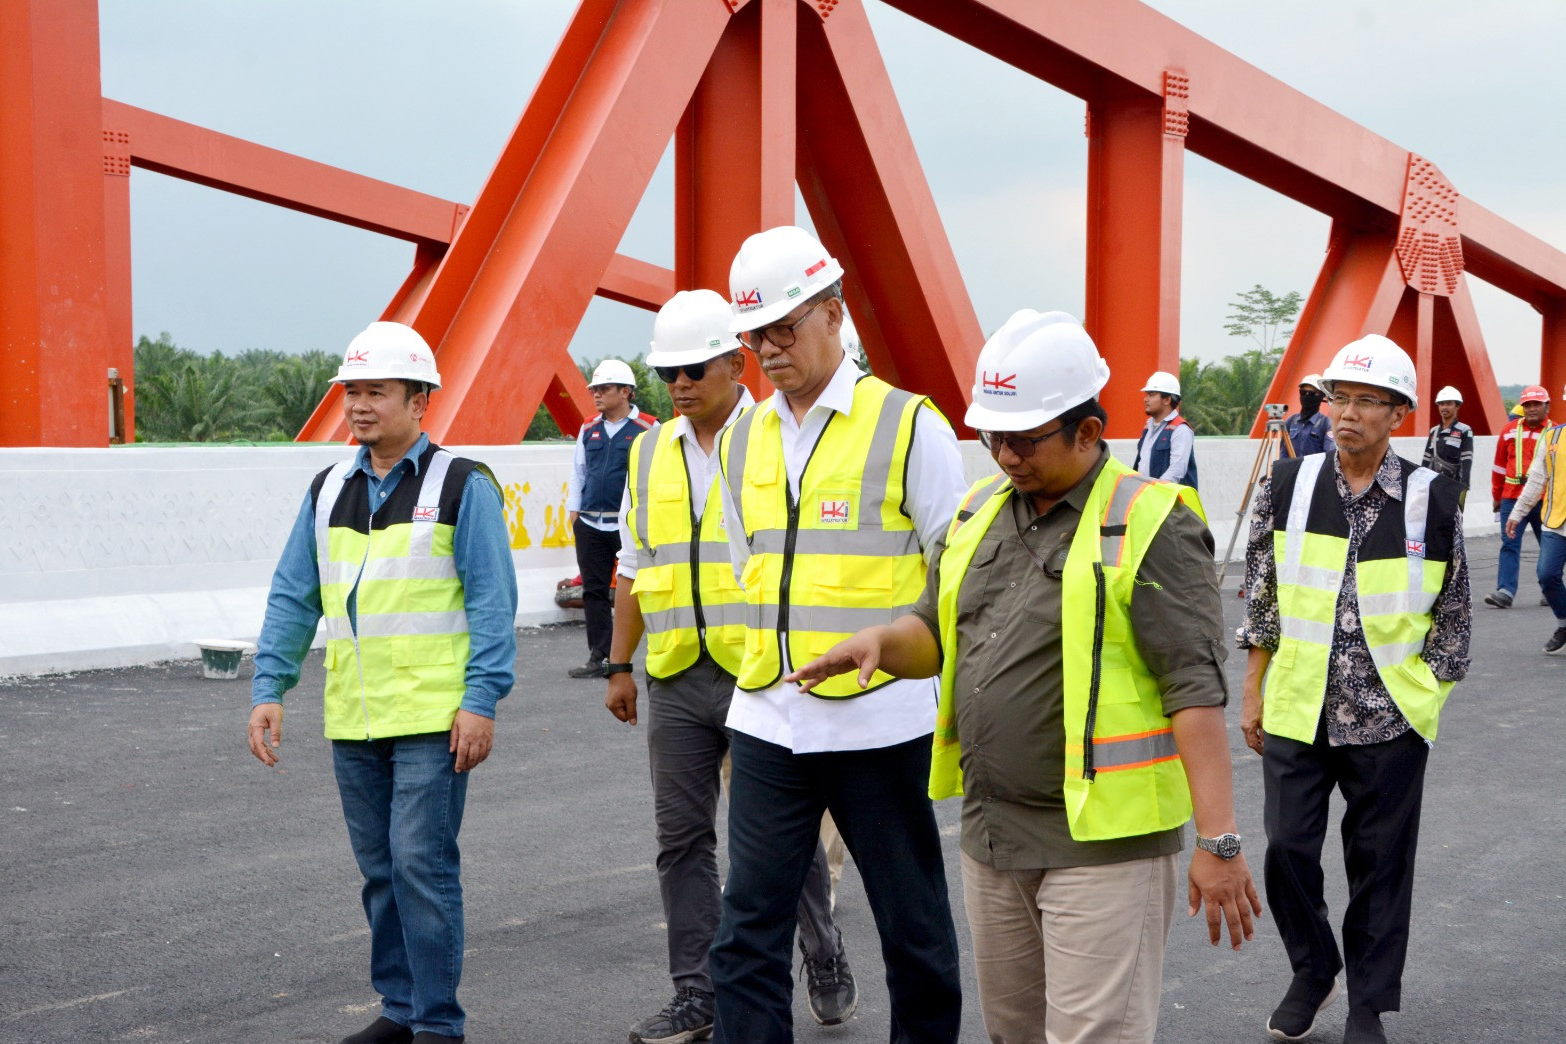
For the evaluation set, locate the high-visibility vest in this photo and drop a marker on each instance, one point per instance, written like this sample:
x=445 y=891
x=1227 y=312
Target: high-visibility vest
x=1400 y=567
x=1523 y=438
x=1553 y=446
x=402 y=670
x=1123 y=774
x=685 y=582
x=841 y=557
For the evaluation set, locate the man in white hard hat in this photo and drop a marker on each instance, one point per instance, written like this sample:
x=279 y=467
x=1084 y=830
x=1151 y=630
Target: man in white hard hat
x=1449 y=450
x=685 y=599
x=1358 y=619
x=1309 y=430
x=1545 y=488
x=1166 y=449
x=404 y=551
x=1071 y=607
x=834 y=489
x=597 y=482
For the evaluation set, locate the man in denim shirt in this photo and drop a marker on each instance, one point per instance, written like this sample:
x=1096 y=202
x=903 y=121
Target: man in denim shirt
x=403 y=551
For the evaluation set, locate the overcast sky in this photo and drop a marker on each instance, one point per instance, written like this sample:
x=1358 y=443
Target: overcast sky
x=424 y=95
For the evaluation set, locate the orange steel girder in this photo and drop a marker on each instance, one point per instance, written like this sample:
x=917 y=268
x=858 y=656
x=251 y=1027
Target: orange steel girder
x=757 y=94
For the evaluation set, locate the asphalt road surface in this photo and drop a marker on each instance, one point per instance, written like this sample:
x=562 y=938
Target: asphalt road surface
x=158 y=884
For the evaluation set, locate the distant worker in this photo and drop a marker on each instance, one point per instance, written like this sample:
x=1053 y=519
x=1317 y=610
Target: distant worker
x=1310 y=431
x=1546 y=484
x=835 y=488
x=1166 y=450
x=404 y=551
x=1449 y=450
x=1513 y=456
x=688 y=603
x=1357 y=617
x=597 y=483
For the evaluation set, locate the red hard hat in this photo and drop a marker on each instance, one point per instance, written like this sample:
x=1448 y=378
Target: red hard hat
x=1534 y=393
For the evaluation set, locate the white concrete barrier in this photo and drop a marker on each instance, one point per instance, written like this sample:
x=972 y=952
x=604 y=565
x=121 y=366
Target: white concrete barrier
x=127 y=555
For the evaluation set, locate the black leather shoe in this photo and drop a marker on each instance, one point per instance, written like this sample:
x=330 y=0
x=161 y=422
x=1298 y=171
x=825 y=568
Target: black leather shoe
x=381 y=1031
x=1295 y=1015
x=590 y=669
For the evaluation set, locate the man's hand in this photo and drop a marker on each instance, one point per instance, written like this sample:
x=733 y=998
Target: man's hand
x=266 y=720
x=571 y=518
x=1224 y=885
x=1251 y=715
x=1513 y=524
x=862 y=650
x=621 y=699
x=471 y=737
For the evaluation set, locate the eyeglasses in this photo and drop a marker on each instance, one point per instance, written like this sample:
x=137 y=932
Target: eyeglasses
x=1360 y=402
x=1023 y=446
x=780 y=334
x=695 y=371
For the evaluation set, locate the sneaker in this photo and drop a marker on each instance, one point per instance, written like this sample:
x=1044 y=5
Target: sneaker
x=687 y=1017
x=1499 y=599
x=590 y=669
x=1557 y=641
x=381 y=1031
x=1363 y=1027
x=833 y=992
x=1295 y=1015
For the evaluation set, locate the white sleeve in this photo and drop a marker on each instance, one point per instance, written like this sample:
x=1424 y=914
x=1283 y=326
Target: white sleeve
x=578 y=476
x=1181 y=440
x=626 y=559
x=936 y=483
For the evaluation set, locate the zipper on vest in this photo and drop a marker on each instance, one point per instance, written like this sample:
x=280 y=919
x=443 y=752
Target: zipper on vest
x=353 y=627
x=695 y=556
x=1099 y=598
x=790 y=538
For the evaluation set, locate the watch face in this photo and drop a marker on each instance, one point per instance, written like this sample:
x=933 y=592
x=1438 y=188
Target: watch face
x=1225 y=846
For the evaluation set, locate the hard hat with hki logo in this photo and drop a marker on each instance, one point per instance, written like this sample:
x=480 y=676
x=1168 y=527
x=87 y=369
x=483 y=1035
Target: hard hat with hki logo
x=774 y=272
x=1376 y=361
x=1449 y=394
x=1163 y=381
x=388 y=351
x=612 y=371
x=1034 y=368
x=692 y=327
x=1534 y=393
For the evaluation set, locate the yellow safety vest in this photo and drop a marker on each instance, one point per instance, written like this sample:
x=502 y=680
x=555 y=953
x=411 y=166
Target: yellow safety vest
x=402 y=671
x=841 y=557
x=1123 y=774
x=1400 y=568
x=1554 y=448
x=685 y=582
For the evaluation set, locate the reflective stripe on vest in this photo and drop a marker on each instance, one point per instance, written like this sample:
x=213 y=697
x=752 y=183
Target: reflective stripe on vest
x=685 y=583
x=399 y=667
x=1395 y=589
x=843 y=555
x=1123 y=775
x=1554 y=449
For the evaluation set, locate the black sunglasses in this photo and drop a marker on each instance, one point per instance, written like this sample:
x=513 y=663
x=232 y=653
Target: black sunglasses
x=1022 y=445
x=695 y=371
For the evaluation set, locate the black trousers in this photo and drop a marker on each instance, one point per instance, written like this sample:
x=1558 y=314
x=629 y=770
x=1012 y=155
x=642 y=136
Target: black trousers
x=879 y=800
x=1383 y=787
x=595 y=557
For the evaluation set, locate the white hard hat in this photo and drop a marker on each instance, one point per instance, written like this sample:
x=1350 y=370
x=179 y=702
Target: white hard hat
x=692 y=327
x=1314 y=380
x=773 y=272
x=1034 y=368
x=853 y=347
x=612 y=371
x=1376 y=361
x=387 y=351
x=1449 y=394
x=1163 y=381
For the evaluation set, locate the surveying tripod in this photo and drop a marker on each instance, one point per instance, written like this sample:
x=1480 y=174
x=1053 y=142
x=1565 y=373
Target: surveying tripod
x=1274 y=444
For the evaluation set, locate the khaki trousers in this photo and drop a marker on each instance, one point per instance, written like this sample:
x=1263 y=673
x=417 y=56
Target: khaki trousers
x=1072 y=955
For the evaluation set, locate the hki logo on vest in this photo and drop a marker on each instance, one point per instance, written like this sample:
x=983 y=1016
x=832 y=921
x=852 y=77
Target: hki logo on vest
x=835 y=512
x=426 y=514
x=1416 y=548
x=995 y=384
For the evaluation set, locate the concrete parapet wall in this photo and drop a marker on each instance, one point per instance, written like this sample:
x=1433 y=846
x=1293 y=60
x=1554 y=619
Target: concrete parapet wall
x=128 y=555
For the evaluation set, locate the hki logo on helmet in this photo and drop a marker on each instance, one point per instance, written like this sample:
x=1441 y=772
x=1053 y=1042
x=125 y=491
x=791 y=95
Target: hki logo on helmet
x=996 y=384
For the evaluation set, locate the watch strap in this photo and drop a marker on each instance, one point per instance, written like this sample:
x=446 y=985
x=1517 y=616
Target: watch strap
x=618 y=668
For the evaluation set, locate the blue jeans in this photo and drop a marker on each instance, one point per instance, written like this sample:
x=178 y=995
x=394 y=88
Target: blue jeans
x=879 y=800
x=1552 y=562
x=403 y=803
x=1511 y=547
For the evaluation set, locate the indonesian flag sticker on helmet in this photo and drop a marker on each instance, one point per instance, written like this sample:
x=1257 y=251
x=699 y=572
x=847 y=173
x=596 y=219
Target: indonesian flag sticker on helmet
x=774 y=272
x=1034 y=368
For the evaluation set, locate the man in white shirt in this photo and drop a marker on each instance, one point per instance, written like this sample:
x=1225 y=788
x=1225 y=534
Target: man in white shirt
x=835 y=489
x=1165 y=449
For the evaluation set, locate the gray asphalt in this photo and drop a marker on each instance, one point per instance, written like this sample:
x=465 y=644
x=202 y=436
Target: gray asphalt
x=158 y=884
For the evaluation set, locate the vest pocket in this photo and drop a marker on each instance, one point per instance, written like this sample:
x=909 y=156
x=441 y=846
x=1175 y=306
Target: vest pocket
x=420 y=650
x=1117 y=685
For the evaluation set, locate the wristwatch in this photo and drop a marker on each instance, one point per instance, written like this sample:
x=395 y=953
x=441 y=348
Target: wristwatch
x=617 y=668
x=1224 y=846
